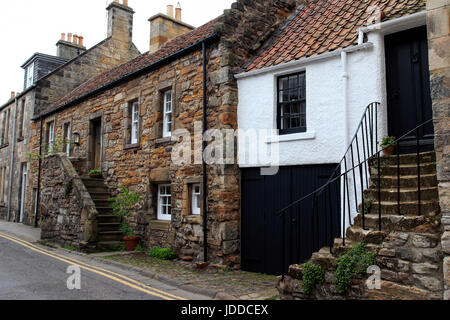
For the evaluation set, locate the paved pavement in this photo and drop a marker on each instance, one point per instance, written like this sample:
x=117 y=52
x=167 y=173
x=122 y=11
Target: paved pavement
x=34 y=272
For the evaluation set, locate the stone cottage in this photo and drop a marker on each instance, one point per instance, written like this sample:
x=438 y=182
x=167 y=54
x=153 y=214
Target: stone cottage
x=124 y=122
x=46 y=80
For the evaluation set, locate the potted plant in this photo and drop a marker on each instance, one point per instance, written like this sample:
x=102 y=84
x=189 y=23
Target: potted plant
x=388 y=145
x=122 y=206
x=95 y=174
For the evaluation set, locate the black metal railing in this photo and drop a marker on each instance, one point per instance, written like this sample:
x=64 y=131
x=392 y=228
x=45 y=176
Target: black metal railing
x=347 y=186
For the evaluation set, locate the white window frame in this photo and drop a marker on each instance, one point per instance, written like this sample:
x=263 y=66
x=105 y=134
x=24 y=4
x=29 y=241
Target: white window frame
x=67 y=137
x=30 y=75
x=196 y=199
x=168 y=109
x=164 y=207
x=51 y=136
x=134 y=122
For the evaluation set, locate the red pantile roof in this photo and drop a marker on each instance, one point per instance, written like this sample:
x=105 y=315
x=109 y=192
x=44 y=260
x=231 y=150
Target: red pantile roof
x=326 y=25
x=144 y=60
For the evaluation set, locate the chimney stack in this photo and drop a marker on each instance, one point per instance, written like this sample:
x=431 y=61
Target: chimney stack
x=71 y=48
x=164 y=27
x=178 y=12
x=120 y=22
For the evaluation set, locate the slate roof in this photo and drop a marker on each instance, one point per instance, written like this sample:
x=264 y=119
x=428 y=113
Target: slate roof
x=109 y=77
x=326 y=25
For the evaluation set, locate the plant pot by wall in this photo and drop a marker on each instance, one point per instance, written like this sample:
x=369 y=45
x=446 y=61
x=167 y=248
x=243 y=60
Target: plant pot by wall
x=389 y=151
x=131 y=243
x=95 y=176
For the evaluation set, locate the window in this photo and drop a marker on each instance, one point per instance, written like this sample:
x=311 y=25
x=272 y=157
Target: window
x=67 y=138
x=4 y=138
x=21 y=118
x=134 y=122
x=196 y=199
x=30 y=75
x=50 y=136
x=4 y=185
x=164 y=202
x=292 y=103
x=167 y=123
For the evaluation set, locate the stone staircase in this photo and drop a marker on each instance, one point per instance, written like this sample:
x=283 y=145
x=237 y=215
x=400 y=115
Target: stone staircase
x=109 y=234
x=408 y=247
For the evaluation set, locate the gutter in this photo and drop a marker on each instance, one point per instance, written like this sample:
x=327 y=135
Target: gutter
x=302 y=62
x=129 y=76
x=11 y=167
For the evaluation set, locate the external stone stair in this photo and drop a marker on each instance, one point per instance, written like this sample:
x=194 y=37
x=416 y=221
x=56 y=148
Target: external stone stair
x=109 y=234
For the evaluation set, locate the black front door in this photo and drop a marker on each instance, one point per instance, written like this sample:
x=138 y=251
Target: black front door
x=263 y=196
x=408 y=86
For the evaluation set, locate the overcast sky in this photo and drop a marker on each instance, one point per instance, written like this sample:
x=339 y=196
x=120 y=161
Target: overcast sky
x=30 y=26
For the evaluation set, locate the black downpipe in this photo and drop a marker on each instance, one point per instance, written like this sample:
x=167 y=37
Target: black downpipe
x=38 y=194
x=205 y=178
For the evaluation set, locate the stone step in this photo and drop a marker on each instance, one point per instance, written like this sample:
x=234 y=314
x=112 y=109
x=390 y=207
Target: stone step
x=357 y=234
x=102 y=203
x=105 y=218
x=108 y=226
x=405 y=170
x=110 y=236
x=391 y=223
x=93 y=182
x=96 y=189
x=408 y=159
x=426 y=181
x=104 y=210
x=406 y=194
x=100 y=195
x=427 y=207
x=109 y=245
x=325 y=259
x=339 y=248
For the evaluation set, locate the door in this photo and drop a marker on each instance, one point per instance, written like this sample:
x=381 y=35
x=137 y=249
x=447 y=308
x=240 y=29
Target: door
x=408 y=86
x=306 y=233
x=23 y=192
x=96 y=144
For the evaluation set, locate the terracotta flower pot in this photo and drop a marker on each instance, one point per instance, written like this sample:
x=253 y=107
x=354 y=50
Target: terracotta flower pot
x=389 y=151
x=131 y=243
x=203 y=265
x=95 y=176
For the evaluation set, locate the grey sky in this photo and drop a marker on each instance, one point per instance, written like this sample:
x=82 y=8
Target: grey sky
x=27 y=27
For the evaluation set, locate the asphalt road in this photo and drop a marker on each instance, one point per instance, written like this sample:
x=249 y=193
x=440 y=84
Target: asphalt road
x=28 y=272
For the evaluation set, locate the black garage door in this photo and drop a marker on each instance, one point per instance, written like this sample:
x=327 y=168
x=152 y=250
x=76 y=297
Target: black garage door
x=263 y=196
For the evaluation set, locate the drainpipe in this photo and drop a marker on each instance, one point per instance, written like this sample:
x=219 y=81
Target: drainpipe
x=345 y=77
x=11 y=167
x=205 y=178
x=38 y=192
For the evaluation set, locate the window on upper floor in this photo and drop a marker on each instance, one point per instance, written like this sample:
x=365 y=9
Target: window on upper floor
x=4 y=135
x=67 y=137
x=167 y=114
x=134 y=134
x=30 y=75
x=292 y=103
x=21 y=119
x=50 y=136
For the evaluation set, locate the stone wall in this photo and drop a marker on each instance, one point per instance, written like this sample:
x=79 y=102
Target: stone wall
x=439 y=55
x=69 y=214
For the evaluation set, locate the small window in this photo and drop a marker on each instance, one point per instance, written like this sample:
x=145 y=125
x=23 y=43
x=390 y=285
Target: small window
x=134 y=123
x=196 y=199
x=164 y=202
x=21 y=118
x=50 y=136
x=67 y=137
x=292 y=103
x=30 y=75
x=167 y=123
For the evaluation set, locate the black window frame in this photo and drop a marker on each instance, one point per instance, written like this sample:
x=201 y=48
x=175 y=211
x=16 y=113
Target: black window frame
x=300 y=129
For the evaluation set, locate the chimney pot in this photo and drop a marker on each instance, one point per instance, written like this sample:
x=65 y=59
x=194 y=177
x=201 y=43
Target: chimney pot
x=80 y=41
x=13 y=94
x=170 y=10
x=75 y=39
x=69 y=37
x=63 y=36
x=178 y=12
x=125 y=3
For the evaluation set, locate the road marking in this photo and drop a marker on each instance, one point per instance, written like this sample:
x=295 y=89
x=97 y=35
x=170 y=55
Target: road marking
x=100 y=271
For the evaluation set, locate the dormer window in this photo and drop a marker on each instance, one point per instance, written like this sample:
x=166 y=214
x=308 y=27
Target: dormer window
x=30 y=75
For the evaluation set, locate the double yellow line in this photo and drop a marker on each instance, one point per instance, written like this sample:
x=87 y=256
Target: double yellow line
x=97 y=270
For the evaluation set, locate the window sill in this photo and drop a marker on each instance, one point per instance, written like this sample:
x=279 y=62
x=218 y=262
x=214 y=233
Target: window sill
x=20 y=139
x=163 y=141
x=160 y=225
x=4 y=146
x=292 y=137
x=194 y=219
x=131 y=146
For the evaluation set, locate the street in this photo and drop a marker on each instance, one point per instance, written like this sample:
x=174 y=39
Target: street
x=30 y=272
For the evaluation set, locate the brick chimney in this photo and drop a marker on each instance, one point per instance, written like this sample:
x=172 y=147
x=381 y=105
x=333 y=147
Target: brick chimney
x=164 y=27
x=70 y=48
x=120 y=22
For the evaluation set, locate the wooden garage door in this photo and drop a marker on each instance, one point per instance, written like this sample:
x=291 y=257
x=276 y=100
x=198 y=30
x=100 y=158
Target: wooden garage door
x=263 y=196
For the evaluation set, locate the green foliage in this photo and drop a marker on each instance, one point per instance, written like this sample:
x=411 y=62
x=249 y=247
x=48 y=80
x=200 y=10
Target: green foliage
x=56 y=147
x=122 y=206
x=95 y=172
x=353 y=263
x=387 y=142
x=313 y=275
x=162 y=253
x=139 y=248
x=368 y=203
